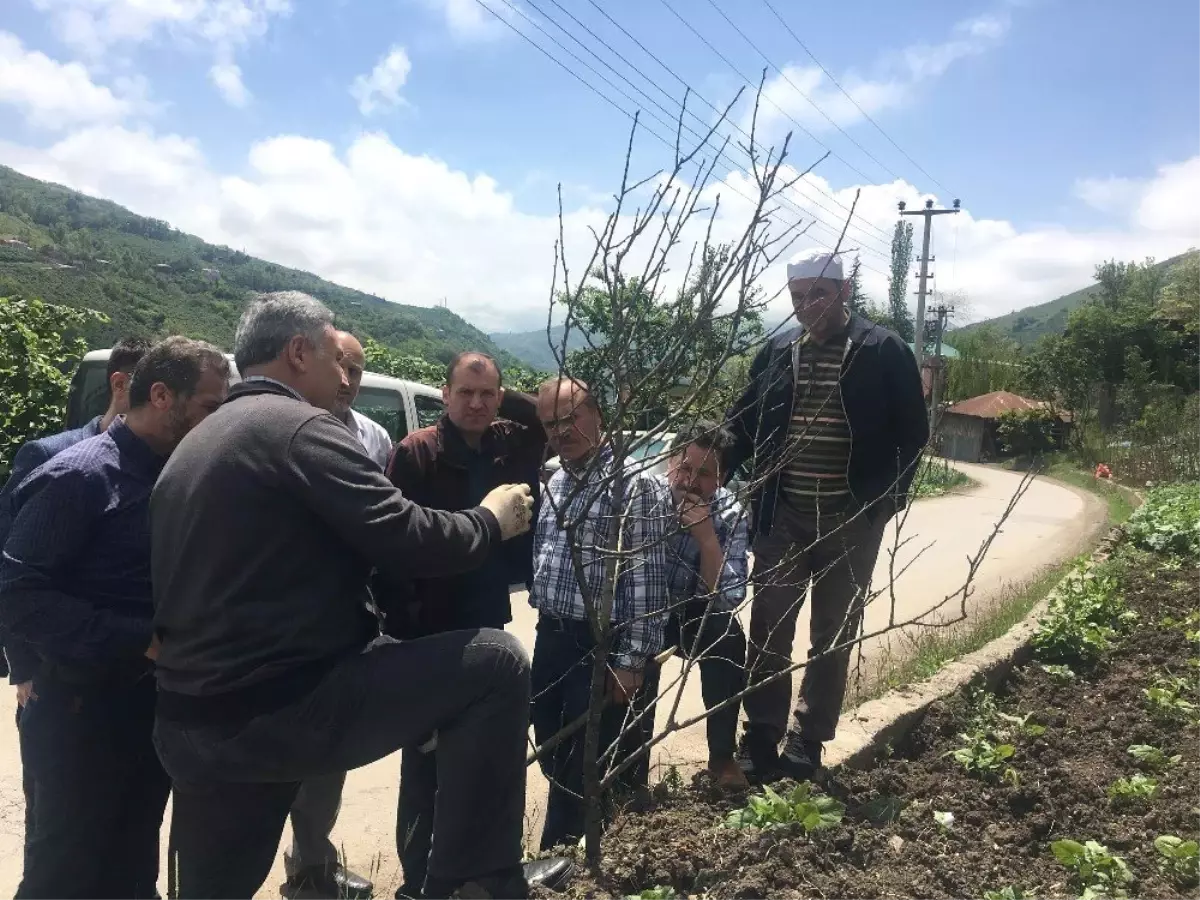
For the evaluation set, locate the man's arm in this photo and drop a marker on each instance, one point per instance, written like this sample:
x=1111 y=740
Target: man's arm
x=910 y=421
x=642 y=594
x=340 y=483
x=745 y=416
x=57 y=513
x=29 y=457
x=725 y=567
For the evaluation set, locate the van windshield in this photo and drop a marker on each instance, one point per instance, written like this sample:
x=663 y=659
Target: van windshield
x=89 y=393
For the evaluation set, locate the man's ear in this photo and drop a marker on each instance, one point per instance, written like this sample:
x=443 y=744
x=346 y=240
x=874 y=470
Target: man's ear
x=446 y=394
x=297 y=351
x=500 y=395
x=161 y=396
x=118 y=383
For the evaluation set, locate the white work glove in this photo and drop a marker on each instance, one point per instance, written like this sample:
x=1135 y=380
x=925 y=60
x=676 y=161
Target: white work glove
x=512 y=505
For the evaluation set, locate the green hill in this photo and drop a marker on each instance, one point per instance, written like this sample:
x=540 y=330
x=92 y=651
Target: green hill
x=533 y=347
x=148 y=278
x=1026 y=326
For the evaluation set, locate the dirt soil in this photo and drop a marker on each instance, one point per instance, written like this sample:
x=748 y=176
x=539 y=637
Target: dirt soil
x=1001 y=833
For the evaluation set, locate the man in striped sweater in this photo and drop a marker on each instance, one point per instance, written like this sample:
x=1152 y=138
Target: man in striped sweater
x=832 y=425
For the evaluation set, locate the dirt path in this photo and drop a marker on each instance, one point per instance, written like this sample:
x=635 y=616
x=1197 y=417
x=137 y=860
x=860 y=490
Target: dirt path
x=1051 y=523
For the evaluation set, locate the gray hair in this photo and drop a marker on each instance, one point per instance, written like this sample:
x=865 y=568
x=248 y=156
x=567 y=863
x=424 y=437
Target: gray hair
x=271 y=320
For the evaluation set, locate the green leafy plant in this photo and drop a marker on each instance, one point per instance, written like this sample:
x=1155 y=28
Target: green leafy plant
x=1010 y=892
x=1022 y=725
x=802 y=806
x=1098 y=872
x=1082 y=622
x=980 y=756
x=1136 y=790
x=1060 y=674
x=1168 y=521
x=1178 y=859
x=658 y=892
x=1166 y=700
x=1152 y=757
x=945 y=820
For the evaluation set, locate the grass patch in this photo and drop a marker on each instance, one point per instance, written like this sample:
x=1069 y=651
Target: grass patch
x=1120 y=501
x=936 y=477
x=926 y=652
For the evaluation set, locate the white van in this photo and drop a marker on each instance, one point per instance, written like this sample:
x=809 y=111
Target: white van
x=399 y=406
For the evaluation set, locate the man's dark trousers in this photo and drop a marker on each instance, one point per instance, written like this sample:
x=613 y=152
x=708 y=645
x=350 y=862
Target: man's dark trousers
x=418 y=793
x=235 y=780
x=99 y=790
x=718 y=642
x=562 y=684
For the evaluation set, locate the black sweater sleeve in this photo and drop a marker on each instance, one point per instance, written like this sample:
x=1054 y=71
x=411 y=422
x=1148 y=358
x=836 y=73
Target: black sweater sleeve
x=341 y=484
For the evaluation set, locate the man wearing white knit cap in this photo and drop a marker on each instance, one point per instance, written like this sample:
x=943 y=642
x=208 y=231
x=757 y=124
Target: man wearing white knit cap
x=833 y=423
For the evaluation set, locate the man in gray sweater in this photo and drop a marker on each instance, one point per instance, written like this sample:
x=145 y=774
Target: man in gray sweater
x=264 y=527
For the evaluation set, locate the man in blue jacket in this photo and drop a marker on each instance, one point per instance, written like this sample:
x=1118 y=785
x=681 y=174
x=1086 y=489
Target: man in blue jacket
x=832 y=424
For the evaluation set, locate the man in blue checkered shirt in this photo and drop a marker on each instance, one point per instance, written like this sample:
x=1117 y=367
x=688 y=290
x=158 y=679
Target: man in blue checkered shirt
x=707 y=574
x=579 y=497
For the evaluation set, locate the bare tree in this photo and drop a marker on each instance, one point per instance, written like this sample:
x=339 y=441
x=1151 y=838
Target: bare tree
x=667 y=302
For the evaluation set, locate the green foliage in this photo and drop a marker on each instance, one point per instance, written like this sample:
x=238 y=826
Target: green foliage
x=936 y=477
x=1136 y=790
x=1060 y=674
x=901 y=320
x=1027 y=432
x=39 y=346
x=658 y=892
x=987 y=361
x=1082 y=621
x=1009 y=892
x=1152 y=758
x=981 y=756
x=802 y=806
x=149 y=279
x=1168 y=521
x=1167 y=701
x=1179 y=860
x=1097 y=871
x=944 y=820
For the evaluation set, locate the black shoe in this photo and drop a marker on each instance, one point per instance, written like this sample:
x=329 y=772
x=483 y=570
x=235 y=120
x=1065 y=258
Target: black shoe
x=758 y=756
x=553 y=873
x=801 y=759
x=334 y=882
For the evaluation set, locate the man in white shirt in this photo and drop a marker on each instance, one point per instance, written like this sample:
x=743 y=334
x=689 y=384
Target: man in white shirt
x=312 y=866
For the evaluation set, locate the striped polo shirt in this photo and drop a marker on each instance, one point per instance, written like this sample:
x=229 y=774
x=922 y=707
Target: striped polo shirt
x=818 y=445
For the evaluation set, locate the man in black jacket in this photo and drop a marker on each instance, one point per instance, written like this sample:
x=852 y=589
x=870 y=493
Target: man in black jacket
x=264 y=529
x=832 y=424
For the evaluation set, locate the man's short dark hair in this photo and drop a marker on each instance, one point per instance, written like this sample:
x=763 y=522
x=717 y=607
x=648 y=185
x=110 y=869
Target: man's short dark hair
x=706 y=435
x=177 y=362
x=478 y=362
x=126 y=354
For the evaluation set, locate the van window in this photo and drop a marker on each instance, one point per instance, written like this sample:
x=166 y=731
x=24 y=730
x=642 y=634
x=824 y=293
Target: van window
x=88 y=397
x=383 y=406
x=429 y=409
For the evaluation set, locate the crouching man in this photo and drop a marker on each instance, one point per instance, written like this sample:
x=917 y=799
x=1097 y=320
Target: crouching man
x=265 y=526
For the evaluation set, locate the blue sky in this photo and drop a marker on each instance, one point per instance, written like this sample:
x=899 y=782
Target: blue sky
x=1070 y=130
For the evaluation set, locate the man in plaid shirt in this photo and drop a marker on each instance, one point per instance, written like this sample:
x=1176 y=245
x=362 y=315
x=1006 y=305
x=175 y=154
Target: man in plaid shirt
x=578 y=500
x=707 y=573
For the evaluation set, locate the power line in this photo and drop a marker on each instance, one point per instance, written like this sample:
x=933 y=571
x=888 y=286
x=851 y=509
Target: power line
x=835 y=83
x=669 y=125
x=881 y=253
x=863 y=175
x=616 y=105
x=796 y=88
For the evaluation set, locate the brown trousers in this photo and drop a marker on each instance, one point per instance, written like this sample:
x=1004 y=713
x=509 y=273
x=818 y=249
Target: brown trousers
x=836 y=560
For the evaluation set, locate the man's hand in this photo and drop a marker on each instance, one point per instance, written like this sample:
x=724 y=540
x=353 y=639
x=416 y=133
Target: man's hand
x=695 y=516
x=623 y=684
x=152 y=650
x=512 y=505
x=25 y=693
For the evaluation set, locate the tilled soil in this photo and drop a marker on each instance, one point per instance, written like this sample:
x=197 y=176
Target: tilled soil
x=1001 y=833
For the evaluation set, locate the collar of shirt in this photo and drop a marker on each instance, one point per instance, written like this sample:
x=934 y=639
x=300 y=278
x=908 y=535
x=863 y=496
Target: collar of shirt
x=133 y=449
x=593 y=466
x=265 y=379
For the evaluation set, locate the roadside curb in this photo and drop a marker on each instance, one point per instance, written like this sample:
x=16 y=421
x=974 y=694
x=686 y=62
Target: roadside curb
x=867 y=732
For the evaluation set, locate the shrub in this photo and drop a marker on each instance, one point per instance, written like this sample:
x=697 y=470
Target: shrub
x=811 y=811
x=1169 y=521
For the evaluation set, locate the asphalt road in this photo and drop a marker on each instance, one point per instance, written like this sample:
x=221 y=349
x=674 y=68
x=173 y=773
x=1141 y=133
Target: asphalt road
x=1050 y=523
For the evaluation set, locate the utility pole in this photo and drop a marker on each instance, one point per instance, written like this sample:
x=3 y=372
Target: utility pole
x=928 y=212
x=942 y=313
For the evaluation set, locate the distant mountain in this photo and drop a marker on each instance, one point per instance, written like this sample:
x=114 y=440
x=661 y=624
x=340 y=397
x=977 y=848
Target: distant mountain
x=533 y=347
x=148 y=278
x=1026 y=326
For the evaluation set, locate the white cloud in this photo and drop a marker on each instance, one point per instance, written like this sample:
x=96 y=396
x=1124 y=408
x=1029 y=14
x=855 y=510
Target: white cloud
x=469 y=22
x=100 y=27
x=227 y=76
x=892 y=85
x=1108 y=194
x=51 y=94
x=381 y=89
